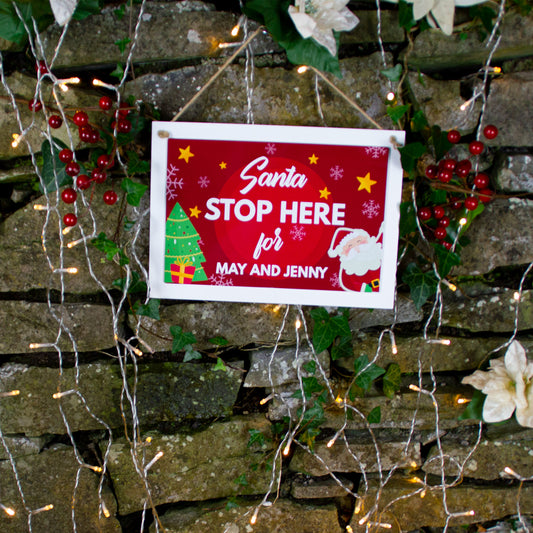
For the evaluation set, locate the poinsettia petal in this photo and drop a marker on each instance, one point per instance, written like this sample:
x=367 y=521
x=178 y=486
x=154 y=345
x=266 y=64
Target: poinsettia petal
x=304 y=23
x=498 y=407
x=63 y=10
x=515 y=360
x=326 y=39
x=443 y=12
x=478 y=379
x=421 y=8
x=524 y=416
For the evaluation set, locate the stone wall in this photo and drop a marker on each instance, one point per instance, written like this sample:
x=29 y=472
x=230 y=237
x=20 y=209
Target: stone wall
x=222 y=448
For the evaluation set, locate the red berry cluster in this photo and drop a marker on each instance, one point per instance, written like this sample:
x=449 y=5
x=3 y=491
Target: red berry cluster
x=448 y=170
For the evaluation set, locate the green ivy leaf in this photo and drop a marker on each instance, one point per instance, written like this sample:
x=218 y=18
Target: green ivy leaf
x=241 y=480
x=437 y=196
x=374 y=417
x=440 y=142
x=218 y=341
x=128 y=224
x=110 y=248
x=310 y=386
x=191 y=354
x=327 y=328
x=342 y=347
x=394 y=73
x=446 y=259
x=122 y=44
x=134 y=191
x=474 y=410
x=405 y=14
x=53 y=171
x=407 y=219
x=397 y=112
x=118 y=72
x=85 y=8
x=419 y=121
x=149 y=309
x=220 y=366
x=256 y=436
x=12 y=27
x=135 y=284
x=136 y=165
x=181 y=338
x=410 y=153
x=422 y=284
x=392 y=380
x=313 y=416
x=309 y=367
x=120 y=11
x=366 y=372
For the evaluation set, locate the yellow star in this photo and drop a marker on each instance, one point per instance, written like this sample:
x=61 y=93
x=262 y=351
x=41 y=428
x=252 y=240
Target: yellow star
x=223 y=165
x=324 y=193
x=185 y=154
x=366 y=182
x=194 y=211
x=313 y=159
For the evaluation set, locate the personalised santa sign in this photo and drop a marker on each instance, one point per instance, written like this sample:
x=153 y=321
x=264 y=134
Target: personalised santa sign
x=274 y=214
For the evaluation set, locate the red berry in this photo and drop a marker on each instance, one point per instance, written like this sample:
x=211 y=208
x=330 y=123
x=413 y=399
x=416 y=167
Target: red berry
x=70 y=219
x=447 y=245
x=471 y=203
x=445 y=176
x=485 y=196
x=123 y=125
x=85 y=133
x=438 y=211
x=69 y=195
x=490 y=131
x=83 y=182
x=432 y=171
x=98 y=175
x=123 y=112
x=105 y=103
x=55 y=121
x=456 y=203
x=72 y=168
x=449 y=164
x=66 y=155
x=105 y=161
x=444 y=222
x=110 y=197
x=35 y=105
x=424 y=213
x=476 y=147
x=463 y=168
x=80 y=118
x=454 y=136
x=440 y=233
x=95 y=136
x=40 y=67
x=481 y=181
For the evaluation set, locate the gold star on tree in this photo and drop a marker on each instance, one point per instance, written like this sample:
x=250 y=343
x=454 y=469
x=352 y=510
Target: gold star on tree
x=365 y=183
x=194 y=211
x=185 y=153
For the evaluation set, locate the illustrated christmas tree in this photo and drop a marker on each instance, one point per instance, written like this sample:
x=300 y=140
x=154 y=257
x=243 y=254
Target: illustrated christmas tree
x=183 y=256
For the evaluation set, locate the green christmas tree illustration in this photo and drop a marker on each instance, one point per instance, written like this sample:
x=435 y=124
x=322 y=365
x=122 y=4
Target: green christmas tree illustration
x=181 y=245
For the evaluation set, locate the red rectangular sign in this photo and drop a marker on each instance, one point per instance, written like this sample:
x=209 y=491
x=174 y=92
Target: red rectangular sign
x=274 y=214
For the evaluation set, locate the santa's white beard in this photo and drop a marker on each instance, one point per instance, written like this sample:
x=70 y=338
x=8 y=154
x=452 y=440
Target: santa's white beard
x=360 y=262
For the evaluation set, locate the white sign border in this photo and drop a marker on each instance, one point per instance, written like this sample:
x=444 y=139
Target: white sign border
x=162 y=131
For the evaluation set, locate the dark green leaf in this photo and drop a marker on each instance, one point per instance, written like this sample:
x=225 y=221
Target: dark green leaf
x=122 y=44
x=407 y=219
x=86 y=8
x=309 y=52
x=134 y=191
x=120 y=11
x=11 y=26
x=309 y=436
x=410 y=153
x=181 y=338
x=446 y=259
x=440 y=142
x=313 y=415
x=135 y=283
x=397 y=112
x=128 y=224
x=256 y=436
x=438 y=196
x=150 y=309
x=419 y=121
x=342 y=347
x=423 y=285
x=366 y=372
x=485 y=14
x=405 y=15
x=218 y=341
x=107 y=246
x=474 y=410
x=241 y=480
x=310 y=386
x=137 y=165
x=118 y=72
x=326 y=328
x=138 y=124
x=309 y=367
x=53 y=171
x=393 y=73
x=374 y=417
x=231 y=504
x=471 y=215
x=392 y=380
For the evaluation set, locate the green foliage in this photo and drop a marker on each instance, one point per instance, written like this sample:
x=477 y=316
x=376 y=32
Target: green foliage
x=241 y=480
x=309 y=367
x=149 y=309
x=445 y=259
x=374 y=417
x=394 y=73
x=135 y=284
x=397 y=112
x=474 y=410
x=53 y=171
x=327 y=328
x=392 y=380
x=440 y=142
x=231 y=504
x=110 y=249
x=405 y=15
x=134 y=191
x=218 y=341
x=366 y=372
x=407 y=219
x=418 y=121
x=274 y=15
x=410 y=153
x=136 y=165
x=118 y=72
x=183 y=341
x=423 y=285
x=122 y=44
x=220 y=366
x=120 y=11
x=256 y=436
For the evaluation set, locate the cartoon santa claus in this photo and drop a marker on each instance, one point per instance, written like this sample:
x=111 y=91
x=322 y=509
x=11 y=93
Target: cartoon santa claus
x=360 y=255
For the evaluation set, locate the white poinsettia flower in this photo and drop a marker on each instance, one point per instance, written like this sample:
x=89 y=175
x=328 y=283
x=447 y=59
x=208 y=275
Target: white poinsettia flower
x=318 y=19
x=439 y=13
x=63 y=10
x=508 y=385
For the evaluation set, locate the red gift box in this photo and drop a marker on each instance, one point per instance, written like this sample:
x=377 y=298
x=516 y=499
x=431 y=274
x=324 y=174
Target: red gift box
x=182 y=272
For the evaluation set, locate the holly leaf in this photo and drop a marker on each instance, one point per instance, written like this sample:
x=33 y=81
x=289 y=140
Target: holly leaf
x=53 y=171
x=446 y=259
x=474 y=409
x=410 y=153
x=366 y=372
x=471 y=215
x=374 y=417
x=149 y=309
x=392 y=380
x=134 y=191
x=181 y=339
x=393 y=73
x=422 y=284
x=135 y=283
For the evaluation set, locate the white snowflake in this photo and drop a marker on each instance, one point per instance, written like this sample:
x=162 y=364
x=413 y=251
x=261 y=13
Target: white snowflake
x=172 y=171
x=371 y=209
x=171 y=194
x=270 y=148
x=203 y=181
x=334 y=280
x=336 y=172
x=220 y=280
x=298 y=233
x=376 y=151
